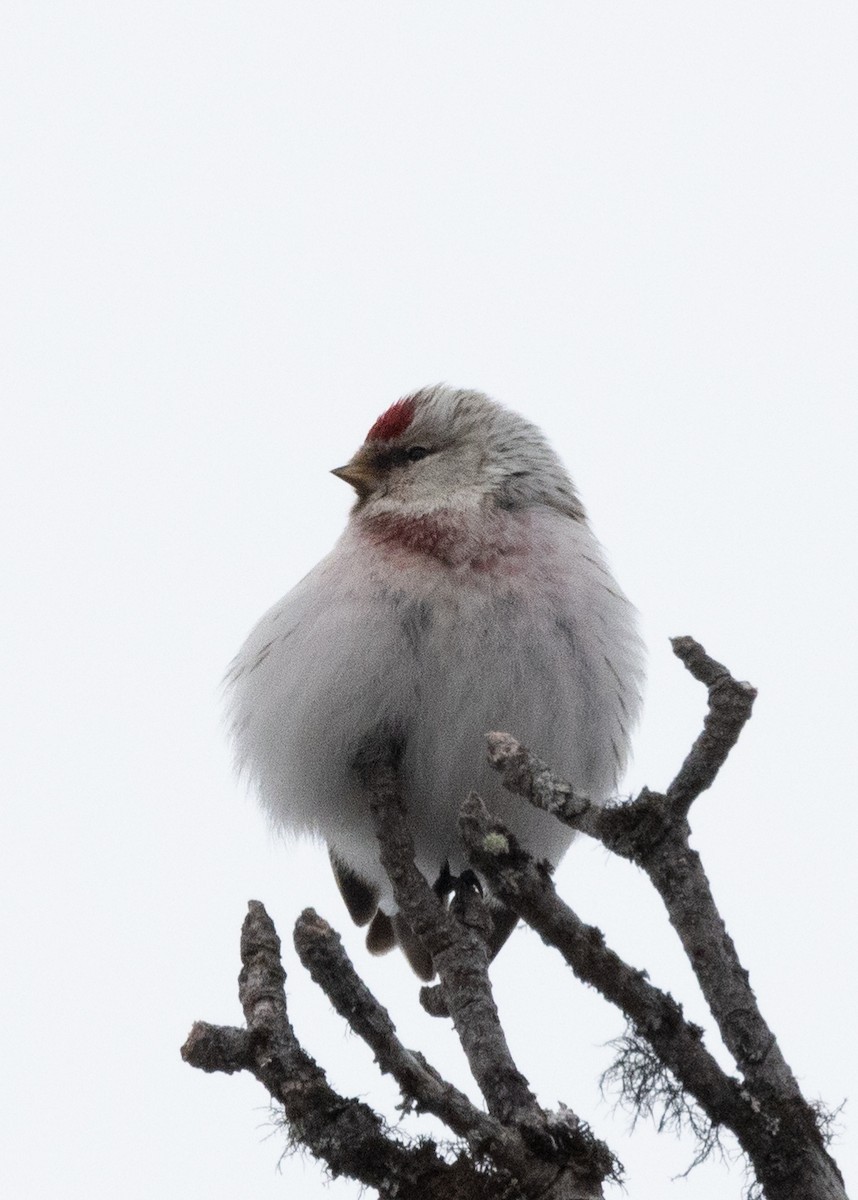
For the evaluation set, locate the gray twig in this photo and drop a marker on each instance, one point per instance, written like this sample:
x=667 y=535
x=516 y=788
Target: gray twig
x=730 y=705
x=517 y=1150
x=460 y=957
x=345 y=1133
x=321 y=951
x=529 y=890
x=653 y=831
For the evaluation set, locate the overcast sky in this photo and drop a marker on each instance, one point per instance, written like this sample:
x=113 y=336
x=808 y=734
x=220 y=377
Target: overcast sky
x=232 y=235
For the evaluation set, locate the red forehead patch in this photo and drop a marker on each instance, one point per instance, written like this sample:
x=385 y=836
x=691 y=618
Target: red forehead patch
x=393 y=422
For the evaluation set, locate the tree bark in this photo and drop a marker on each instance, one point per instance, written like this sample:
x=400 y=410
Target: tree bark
x=516 y=1149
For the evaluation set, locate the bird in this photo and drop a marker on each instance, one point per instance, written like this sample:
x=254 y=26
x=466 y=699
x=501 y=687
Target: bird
x=466 y=594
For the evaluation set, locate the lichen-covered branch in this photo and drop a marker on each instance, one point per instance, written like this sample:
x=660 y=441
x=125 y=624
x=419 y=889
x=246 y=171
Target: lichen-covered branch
x=653 y=832
x=517 y=1150
x=529 y=890
x=458 y=954
x=344 y=1133
x=654 y=1015
x=580 y=1162
x=730 y=705
x=321 y=951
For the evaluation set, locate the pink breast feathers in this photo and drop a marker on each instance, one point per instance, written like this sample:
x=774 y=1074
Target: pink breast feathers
x=435 y=534
x=499 y=545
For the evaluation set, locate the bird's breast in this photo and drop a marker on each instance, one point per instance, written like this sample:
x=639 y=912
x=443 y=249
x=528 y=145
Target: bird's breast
x=498 y=542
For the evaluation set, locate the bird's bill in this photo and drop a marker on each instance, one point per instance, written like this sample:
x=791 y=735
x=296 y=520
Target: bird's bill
x=362 y=475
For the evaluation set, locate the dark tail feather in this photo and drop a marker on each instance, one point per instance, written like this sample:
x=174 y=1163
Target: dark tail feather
x=380 y=937
x=361 y=897
x=413 y=949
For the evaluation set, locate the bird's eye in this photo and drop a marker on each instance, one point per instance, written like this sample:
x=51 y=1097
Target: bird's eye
x=415 y=453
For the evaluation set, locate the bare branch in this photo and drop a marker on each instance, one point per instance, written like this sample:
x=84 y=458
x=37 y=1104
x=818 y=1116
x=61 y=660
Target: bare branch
x=653 y=832
x=730 y=705
x=460 y=957
x=778 y=1130
x=529 y=890
x=345 y=1133
x=526 y=775
x=518 y=1151
x=321 y=951
x=217 y=1048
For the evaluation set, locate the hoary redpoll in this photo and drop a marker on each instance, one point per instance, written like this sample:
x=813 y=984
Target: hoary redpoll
x=466 y=594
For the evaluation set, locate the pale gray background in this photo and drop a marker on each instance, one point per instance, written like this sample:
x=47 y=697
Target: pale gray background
x=232 y=235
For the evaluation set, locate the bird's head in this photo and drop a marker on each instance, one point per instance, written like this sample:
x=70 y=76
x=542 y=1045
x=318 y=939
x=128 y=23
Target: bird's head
x=457 y=451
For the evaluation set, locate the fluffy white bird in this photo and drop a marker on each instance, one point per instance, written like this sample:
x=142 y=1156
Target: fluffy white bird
x=466 y=594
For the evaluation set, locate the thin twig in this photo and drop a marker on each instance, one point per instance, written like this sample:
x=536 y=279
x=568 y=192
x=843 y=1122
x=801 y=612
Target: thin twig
x=730 y=705
x=321 y=951
x=529 y=890
x=344 y=1133
x=459 y=955
x=653 y=832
